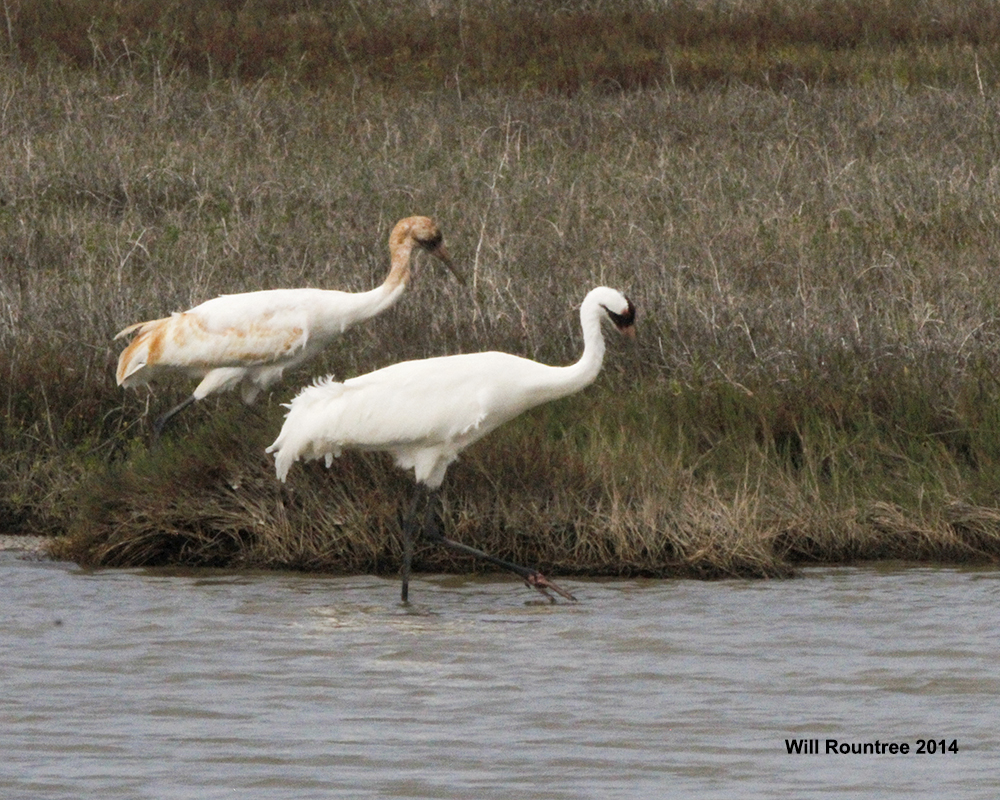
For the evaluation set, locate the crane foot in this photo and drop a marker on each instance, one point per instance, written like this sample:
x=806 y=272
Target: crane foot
x=538 y=581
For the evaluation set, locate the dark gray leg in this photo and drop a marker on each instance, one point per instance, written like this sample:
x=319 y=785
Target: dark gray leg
x=162 y=420
x=532 y=577
x=409 y=530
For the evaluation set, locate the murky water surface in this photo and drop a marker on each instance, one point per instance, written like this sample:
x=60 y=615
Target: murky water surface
x=144 y=684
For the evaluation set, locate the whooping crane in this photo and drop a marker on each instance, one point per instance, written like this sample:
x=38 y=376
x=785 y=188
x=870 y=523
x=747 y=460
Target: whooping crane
x=250 y=339
x=426 y=412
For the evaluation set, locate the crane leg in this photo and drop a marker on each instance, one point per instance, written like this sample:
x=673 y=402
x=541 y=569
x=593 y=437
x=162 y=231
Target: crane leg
x=162 y=420
x=409 y=529
x=532 y=577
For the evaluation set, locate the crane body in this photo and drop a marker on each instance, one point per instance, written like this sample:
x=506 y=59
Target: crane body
x=425 y=412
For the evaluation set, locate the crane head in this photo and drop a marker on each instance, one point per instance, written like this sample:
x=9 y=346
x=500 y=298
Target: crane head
x=426 y=233
x=435 y=246
x=624 y=321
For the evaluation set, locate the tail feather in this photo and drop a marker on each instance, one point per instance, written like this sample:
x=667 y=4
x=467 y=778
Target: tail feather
x=141 y=350
x=139 y=326
x=132 y=359
x=126 y=331
x=302 y=435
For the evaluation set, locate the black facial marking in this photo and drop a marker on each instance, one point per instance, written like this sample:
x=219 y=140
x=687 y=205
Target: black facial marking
x=433 y=243
x=625 y=320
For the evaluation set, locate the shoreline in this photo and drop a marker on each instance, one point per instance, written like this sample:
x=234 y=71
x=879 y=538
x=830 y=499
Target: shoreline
x=25 y=543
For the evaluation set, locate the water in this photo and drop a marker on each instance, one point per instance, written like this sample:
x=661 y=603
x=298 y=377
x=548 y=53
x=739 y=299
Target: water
x=149 y=684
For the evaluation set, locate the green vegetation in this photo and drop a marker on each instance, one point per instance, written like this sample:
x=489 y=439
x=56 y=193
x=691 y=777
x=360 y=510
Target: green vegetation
x=801 y=198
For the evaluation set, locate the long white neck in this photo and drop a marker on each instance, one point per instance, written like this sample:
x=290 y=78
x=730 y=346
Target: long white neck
x=364 y=305
x=565 y=381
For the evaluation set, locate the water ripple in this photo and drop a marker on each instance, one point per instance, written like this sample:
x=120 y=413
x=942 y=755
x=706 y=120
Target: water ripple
x=174 y=684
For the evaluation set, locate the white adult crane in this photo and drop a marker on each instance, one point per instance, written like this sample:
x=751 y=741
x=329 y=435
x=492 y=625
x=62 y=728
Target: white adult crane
x=426 y=412
x=250 y=339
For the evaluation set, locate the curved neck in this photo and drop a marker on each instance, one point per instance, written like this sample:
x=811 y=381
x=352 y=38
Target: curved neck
x=585 y=370
x=399 y=270
x=563 y=381
x=375 y=301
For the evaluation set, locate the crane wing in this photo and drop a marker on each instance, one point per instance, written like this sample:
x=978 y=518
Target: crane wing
x=447 y=399
x=252 y=341
x=424 y=412
x=229 y=331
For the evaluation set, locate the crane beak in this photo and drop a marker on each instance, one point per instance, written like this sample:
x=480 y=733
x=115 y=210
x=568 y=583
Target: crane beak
x=441 y=253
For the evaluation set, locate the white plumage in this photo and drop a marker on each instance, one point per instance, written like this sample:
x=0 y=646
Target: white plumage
x=426 y=412
x=248 y=340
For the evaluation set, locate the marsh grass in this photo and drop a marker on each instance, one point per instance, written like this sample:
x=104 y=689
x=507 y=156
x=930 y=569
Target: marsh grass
x=813 y=260
x=611 y=45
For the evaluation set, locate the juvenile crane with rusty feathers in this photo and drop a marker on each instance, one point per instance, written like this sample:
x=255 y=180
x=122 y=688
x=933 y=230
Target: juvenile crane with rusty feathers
x=248 y=340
